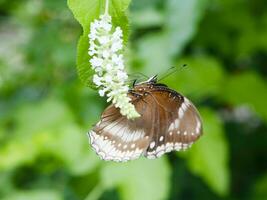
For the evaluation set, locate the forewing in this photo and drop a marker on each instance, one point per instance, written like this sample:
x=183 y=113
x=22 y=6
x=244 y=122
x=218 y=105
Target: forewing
x=178 y=123
x=116 y=138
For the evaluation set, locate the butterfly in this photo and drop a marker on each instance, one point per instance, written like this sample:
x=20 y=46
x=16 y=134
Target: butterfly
x=168 y=122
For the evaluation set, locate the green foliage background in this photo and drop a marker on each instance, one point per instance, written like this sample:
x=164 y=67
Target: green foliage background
x=45 y=110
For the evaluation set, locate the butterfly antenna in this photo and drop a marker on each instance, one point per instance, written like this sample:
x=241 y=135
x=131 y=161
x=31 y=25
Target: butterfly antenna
x=138 y=74
x=171 y=71
x=136 y=77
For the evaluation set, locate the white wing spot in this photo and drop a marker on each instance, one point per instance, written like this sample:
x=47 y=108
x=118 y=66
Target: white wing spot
x=186 y=100
x=125 y=146
x=160 y=153
x=161 y=138
x=181 y=112
x=170 y=133
x=176 y=123
x=152 y=144
x=123 y=132
x=151 y=156
x=171 y=127
x=132 y=146
x=138 y=135
x=185 y=133
x=198 y=126
x=184 y=106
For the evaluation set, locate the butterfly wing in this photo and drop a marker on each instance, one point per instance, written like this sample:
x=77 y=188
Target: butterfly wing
x=177 y=120
x=116 y=138
x=168 y=122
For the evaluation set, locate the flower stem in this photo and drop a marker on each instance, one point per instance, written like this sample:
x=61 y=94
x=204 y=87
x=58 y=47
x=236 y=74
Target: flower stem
x=95 y=193
x=106 y=7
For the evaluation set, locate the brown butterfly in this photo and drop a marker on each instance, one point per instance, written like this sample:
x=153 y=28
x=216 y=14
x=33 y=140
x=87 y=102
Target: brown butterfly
x=168 y=121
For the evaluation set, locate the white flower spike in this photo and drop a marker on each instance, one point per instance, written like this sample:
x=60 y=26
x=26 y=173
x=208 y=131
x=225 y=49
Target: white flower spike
x=107 y=62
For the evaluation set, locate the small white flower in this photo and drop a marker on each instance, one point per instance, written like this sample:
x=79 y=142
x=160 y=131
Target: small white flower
x=118 y=33
x=103 y=40
x=99 y=70
x=108 y=66
x=97 y=80
x=121 y=75
x=116 y=46
x=96 y=62
x=101 y=93
x=108 y=78
x=106 y=53
x=117 y=59
x=107 y=61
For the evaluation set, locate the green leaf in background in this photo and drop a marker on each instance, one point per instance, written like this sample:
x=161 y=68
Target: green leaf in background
x=146 y=18
x=35 y=195
x=178 y=30
x=70 y=143
x=85 y=12
x=16 y=153
x=52 y=130
x=246 y=89
x=38 y=114
x=141 y=179
x=253 y=38
x=153 y=44
x=260 y=188
x=171 y=40
x=193 y=80
x=208 y=157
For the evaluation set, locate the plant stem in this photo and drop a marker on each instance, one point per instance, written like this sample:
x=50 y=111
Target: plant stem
x=106 y=7
x=95 y=193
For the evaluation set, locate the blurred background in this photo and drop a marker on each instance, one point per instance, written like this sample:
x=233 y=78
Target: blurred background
x=45 y=111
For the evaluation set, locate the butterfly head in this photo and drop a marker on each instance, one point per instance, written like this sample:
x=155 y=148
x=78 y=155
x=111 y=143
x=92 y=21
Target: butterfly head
x=143 y=88
x=152 y=80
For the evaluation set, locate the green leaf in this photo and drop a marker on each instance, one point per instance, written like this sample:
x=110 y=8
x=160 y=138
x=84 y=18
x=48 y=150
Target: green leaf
x=182 y=21
x=260 y=188
x=144 y=18
x=153 y=44
x=208 y=157
x=52 y=130
x=47 y=114
x=171 y=40
x=247 y=89
x=141 y=179
x=193 y=80
x=34 y=195
x=85 y=12
x=71 y=144
x=15 y=153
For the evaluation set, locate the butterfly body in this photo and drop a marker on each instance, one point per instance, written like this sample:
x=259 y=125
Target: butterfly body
x=168 y=122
